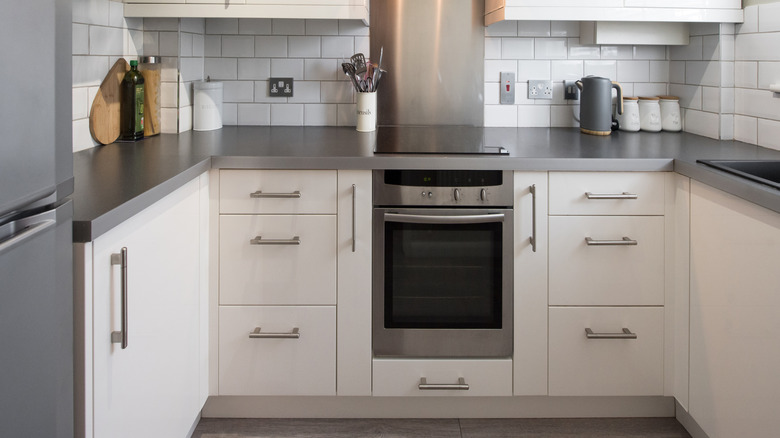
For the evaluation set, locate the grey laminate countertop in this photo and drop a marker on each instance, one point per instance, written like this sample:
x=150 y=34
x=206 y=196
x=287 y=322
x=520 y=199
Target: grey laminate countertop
x=114 y=182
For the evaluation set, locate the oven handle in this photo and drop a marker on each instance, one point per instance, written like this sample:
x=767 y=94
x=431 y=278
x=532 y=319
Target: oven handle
x=425 y=219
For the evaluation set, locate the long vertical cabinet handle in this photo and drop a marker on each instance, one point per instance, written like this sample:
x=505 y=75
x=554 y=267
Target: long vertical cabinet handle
x=354 y=236
x=533 y=217
x=120 y=337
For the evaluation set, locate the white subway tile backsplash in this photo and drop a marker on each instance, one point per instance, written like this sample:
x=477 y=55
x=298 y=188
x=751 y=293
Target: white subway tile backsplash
x=617 y=52
x=757 y=46
x=604 y=69
x=533 y=116
x=562 y=116
x=493 y=69
x=322 y=70
x=551 y=48
x=303 y=46
x=185 y=94
x=242 y=46
x=221 y=68
x=320 y=114
x=502 y=28
x=91 y=12
x=690 y=95
x=569 y=29
x=727 y=100
x=82 y=139
x=254 y=114
x=336 y=92
x=185 y=44
x=491 y=93
x=501 y=116
x=727 y=74
x=169 y=44
x=746 y=74
x=212 y=45
x=650 y=52
x=161 y=24
x=270 y=47
x=185 y=119
x=769 y=133
x=750 y=23
x=134 y=43
x=533 y=28
x=768 y=74
x=710 y=46
x=222 y=26
x=80 y=39
x=80 y=105
x=769 y=18
x=193 y=25
x=192 y=69
x=727 y=47
x=756 y=103
x=363 y=45
x=677 y=72
x=702 y=123
x=566 y=70
x=322 y=27
x=353 y=27
x=229 y=114
x=648 y=89
x=633 y=71
x=290 y=68
x=692 y=52
x=347 y=114
x=659 y=71
x=578 y=51
x=528 y=70
x=745 y=129
x=288 y=27
x=493 y=48
x=169 y=97
x=198 y=45
x=89 y=70
x=287 y=114
x=306 y=92
x=517 y=48
x=239 y=91
x=254 y=69
x=105 y=41
x=704 y=29
x=169 y=120
x=702 y=73
x=727 y=126
x=254 y=26
x=341 y=47
x=710 y=99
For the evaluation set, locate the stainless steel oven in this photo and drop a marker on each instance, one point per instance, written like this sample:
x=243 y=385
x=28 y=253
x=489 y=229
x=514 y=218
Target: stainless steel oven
x=442 y=263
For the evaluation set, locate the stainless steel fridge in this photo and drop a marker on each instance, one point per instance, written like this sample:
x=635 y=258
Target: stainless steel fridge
x=36 y=261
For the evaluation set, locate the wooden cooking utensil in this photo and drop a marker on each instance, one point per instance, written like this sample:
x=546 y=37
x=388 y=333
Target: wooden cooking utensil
x=104 y=115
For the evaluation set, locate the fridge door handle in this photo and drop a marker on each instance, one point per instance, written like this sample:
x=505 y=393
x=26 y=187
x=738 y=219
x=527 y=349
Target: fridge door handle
x=27 y=229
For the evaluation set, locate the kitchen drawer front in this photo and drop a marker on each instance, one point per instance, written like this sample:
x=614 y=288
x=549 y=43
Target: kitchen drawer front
x=613 y=274
x=606 y=367
x=277 y=366
x=277 y=274
x=568 y=193
x=402 y=377
x=274 y=192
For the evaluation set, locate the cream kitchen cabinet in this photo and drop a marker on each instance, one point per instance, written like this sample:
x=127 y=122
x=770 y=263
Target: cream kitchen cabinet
x=141 y=306
x=607 y=248
x=734 y=305
x=615 y=10
x=295 y=9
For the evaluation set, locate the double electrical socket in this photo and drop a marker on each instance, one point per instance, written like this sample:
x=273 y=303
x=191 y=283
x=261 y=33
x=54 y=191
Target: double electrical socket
x=540 y=89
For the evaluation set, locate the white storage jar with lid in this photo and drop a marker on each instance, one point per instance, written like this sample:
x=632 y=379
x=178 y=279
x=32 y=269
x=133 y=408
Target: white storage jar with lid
x=649 y=114
x=629 y=120
x=670 y=113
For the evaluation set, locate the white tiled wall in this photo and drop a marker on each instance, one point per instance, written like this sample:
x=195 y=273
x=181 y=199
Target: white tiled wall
x=756 y=67
x=551 y=51
x=244 y=53
x=100 y=36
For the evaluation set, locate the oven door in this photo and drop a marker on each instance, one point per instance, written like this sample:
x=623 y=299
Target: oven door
x=442 y=282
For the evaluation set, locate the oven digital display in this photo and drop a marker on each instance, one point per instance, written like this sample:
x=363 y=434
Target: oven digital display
x=444 y=178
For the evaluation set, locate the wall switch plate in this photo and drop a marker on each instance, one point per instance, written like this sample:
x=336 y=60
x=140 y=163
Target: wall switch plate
x=280 y=87
x=570 y=90
x=540 y=89
x=507 y=84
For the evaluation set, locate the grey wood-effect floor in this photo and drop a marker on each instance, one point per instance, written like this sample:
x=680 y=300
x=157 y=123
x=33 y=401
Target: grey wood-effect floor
x=441 y=428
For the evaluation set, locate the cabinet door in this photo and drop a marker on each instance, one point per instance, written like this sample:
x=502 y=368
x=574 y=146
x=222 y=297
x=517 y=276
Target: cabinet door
x=354 y=283
x=151 y=388
x=735 y=315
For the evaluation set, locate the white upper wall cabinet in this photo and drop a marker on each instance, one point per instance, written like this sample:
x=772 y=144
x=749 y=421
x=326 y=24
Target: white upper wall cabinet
x=301 y=9
x=683 y=11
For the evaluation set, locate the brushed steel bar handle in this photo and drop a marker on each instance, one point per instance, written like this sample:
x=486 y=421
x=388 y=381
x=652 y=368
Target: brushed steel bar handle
x=257 y=334
x=260 y=241
x=460 y=386
x=423 y=219
x=120 y=337
x=533 y=218
x=625 y=334
x=259 y=194
x=354 y=237
x=626 y=241
x=624 y=195
x=27 y=233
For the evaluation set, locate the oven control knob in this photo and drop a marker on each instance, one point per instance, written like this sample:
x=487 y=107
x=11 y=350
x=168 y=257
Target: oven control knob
x=423 y=194
x=430 y=194
x=483 y=194
x=457 y=195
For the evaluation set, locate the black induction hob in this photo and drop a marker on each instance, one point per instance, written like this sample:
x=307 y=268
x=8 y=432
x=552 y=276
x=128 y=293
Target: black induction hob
x=440 y=140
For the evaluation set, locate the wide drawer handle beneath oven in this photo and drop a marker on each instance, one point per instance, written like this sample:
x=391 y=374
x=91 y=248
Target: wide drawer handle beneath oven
x=460 y=386
x=260 y=241
x=624 y=195
x=256 y=334
x=424 y=219
x=626 y=241
x=259 y=194
x=625 y=334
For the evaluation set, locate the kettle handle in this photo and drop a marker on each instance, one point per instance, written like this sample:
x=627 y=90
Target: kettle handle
x=619 y=89
x=578 y=84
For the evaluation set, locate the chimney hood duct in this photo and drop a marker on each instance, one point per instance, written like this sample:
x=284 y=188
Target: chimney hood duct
x=434 y=53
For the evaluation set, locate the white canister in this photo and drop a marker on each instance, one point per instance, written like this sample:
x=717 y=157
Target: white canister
x=649 y=114
x=629 y=120
x=670 y=113
x=366 y=112
x=207 y=106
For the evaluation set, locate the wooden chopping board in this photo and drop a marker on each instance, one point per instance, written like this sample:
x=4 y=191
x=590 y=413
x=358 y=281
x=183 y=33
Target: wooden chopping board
x=104 y=115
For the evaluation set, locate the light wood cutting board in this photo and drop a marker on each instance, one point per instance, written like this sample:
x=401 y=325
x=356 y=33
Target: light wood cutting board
x=104 y=115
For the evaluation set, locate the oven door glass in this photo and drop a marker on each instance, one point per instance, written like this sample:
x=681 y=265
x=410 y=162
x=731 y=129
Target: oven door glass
x=443 y=271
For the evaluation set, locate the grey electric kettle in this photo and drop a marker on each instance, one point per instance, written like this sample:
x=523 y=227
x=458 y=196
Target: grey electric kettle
x=596 y=104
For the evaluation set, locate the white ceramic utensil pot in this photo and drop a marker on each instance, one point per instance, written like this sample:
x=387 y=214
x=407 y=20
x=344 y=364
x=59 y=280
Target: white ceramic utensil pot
x=366 y=112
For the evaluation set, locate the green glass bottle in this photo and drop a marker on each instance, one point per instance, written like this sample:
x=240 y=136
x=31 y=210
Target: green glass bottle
x=131 y=126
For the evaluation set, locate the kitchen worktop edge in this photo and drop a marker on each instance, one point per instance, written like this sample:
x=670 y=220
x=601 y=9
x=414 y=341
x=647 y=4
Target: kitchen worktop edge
x=115 y=182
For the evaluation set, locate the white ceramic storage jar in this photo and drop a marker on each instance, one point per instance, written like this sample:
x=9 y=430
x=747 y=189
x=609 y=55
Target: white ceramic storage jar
x=670 y=113
x=629 y=120
x=649 y=114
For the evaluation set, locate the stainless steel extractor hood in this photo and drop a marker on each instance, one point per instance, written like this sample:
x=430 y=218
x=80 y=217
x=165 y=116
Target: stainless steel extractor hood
x=434 y=57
